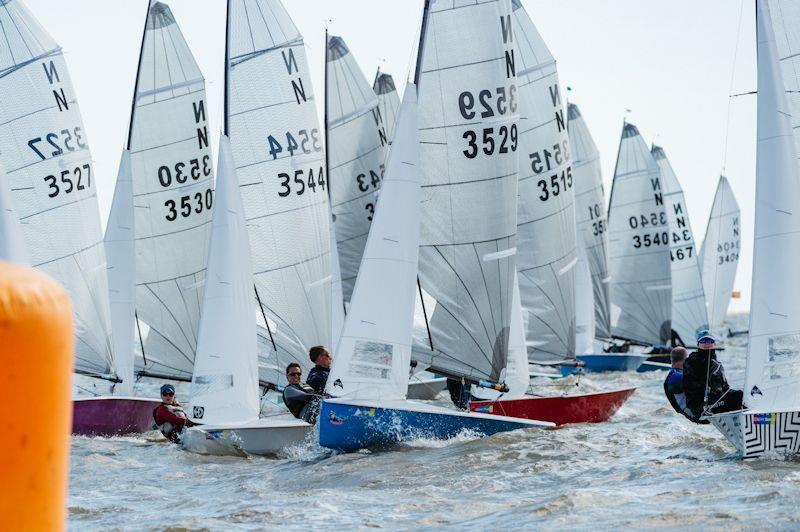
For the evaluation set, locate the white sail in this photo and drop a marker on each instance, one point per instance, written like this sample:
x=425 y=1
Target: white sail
x=337 y=301
x=787 y=43
x=546 y=216
x=12 y=242
x=590 y=215
x=773 y=354
x=374 y=354
x=171 y=163
x=44 y=149
x=121 y=268
x=357 y=142
x=638 y=240
x=688 y=299
x=277 y=145
x=388 y=101
x=720 y=253
x=584 y=303
x=225 y=381
x=468 y=155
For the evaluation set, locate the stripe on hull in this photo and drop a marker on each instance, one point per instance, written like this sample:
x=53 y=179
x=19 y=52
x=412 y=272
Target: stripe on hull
x=756 y=434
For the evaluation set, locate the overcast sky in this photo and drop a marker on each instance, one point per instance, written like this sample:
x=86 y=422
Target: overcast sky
x=670 y=62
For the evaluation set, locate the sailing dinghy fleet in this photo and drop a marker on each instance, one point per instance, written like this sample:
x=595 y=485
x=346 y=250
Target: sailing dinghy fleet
x=474 y=203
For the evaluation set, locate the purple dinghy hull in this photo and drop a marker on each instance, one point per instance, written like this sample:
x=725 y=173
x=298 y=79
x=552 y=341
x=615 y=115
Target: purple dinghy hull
x=112 y=416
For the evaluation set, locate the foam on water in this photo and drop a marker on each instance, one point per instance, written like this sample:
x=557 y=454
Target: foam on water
x=647 y=467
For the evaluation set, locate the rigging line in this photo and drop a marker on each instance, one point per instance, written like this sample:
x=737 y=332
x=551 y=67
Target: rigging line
x=266 y=322
x=141 y=342
x=730 y=87
x=425 y=314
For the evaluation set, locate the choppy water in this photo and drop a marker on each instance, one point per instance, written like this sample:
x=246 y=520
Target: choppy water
x=646 y=468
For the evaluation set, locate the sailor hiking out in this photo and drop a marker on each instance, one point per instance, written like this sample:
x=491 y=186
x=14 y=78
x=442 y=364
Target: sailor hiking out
x=300 y=398
x=169 y=416
x=704 y=382
x=673 y=385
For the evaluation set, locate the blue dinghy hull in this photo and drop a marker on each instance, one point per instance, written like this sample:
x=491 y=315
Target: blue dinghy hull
x=606 y=362
x=349 y=426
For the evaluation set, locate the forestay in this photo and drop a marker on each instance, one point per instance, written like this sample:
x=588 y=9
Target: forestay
x=773 y=355
x=171 y=164
x=373 y=357
x=720 y=253
x=641 y=292
x=12 y=244
x=277 y=147
x=546 y=217
x=468 y=156
x=225 y=382
x=121 y=268
x=357 y=142
x=388 y=101
x=590 y=216
x=688 y=299
x=44 y=149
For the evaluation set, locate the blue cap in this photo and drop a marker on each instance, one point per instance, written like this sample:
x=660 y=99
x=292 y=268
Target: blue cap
x=704 y=334
x=166 y=387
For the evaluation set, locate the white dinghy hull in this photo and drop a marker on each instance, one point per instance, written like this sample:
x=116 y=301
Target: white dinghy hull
x=264 y=437
x=760 y=434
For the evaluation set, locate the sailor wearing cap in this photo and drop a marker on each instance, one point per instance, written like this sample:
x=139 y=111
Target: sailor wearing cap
x=169 y=416
x=704 y=383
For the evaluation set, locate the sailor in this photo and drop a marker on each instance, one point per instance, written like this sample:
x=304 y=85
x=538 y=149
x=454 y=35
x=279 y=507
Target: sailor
x=169 y=416
x=460 y=393
x=704 y=382
x=300 y=398
x=614 y=347
x=318 y=376
x=673 y=385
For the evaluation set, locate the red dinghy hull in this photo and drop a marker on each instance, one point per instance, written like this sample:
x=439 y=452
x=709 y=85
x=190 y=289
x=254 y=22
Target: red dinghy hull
x=585 y=408
x=112 y=416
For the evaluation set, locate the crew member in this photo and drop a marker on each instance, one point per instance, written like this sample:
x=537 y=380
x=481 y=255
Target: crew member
x=169 y=416
x=300 y=398
x=704 y=382
x=673 y=385
x=318 y=376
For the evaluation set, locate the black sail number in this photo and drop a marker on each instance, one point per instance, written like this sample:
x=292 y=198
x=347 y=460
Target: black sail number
x=471 y=103
x=55 y=144
x=69 y=181
x=505 y=140
x=301 y=181
x=558 y=183
x=190 y=204
x=179 y=173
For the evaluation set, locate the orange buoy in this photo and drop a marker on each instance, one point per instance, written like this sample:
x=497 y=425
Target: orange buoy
x=36 y=352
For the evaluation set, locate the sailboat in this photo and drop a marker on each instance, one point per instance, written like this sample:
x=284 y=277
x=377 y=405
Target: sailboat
x=369 y=376
x=549 y=260
x=592 y=243
x=458 y=261
x=272 y=125
x=769 y=423
x=356 y=143
x=639 y=260
x=688 y=298
x=719 y=255
x=388 y=101
x=45 y=152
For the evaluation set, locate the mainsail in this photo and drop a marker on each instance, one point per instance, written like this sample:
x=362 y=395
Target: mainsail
x=388 y=101
x=585 y=324
x=688 y=299
x=773 y=353
x=546 y=217
x=590 y=215
x=468 y=154
x=357 y=143
x=638 y=239
x=720 y=253
x=277 y=147
x=787 y=43
x=171 y=165
x=44 y=149
x=373 y=357
x=225 y=382
x=12 y=244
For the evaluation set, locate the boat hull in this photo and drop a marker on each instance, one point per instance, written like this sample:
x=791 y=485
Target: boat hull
x=112 y=416
x=584 y=408
x=349 y=426
x=265 y=437
x=653 y=366
x=606 y=362
x=760 y=434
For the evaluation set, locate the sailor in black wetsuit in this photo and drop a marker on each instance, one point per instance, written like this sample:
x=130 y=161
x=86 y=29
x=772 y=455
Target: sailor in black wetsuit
x=301 y=399
x=673 y=385
x=703 y=373
x=318 y=376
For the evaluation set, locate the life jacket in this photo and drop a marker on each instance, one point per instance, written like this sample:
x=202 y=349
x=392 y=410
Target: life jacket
x=302 y=401
x=673 y=389
x=170 y=430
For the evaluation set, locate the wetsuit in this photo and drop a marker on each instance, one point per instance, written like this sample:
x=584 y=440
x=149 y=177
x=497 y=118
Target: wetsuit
x=170 y=420
x=302 y=402
x=318 y=378
x=701 y=368
x=459 y=393
x=673 y=389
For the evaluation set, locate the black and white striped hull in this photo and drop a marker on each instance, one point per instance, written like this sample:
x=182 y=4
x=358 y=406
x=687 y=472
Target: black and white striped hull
x=755 y=434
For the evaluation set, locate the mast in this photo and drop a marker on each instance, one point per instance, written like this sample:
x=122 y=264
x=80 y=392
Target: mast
x=421 y=44
x=227 y=70
x=136 y=83
x=325 y=121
